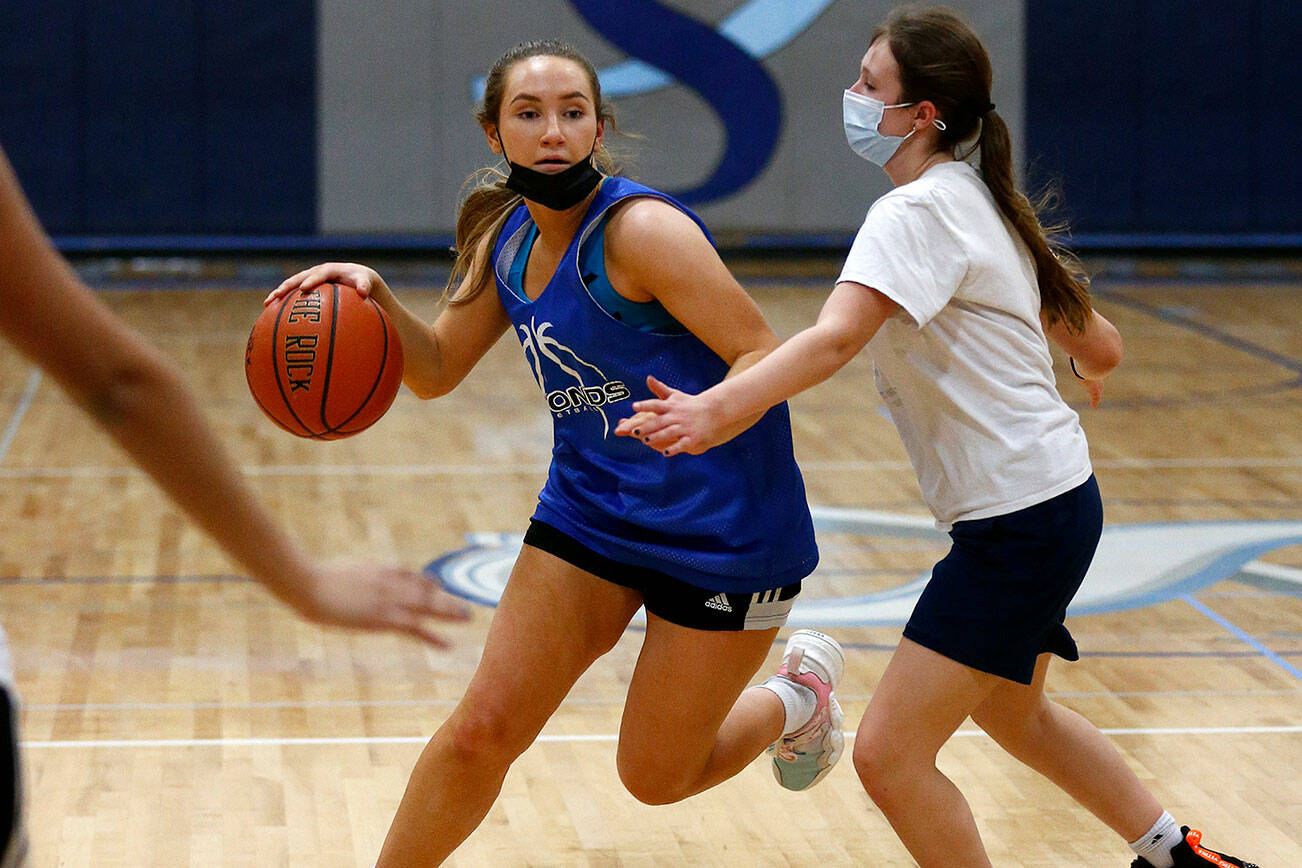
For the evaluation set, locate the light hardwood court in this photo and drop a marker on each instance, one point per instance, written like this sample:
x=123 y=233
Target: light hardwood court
x=175 y=715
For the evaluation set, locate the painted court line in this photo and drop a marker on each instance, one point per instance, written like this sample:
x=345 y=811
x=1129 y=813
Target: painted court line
x=1244 y=636
x=1220 y=336
x=617 y=700
x=24 y=402
x=563 y=739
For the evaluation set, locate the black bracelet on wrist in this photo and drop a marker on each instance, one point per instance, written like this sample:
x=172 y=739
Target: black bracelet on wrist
x=1072 y=362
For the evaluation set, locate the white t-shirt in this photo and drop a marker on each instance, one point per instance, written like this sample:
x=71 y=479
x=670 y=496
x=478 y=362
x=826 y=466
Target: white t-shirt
x=964 y=367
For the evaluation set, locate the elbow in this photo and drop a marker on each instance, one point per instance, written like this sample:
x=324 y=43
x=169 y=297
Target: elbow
x=425 y=391
x=1112 y=355
x=1099 y=352
x=132 y=390
x=429 y=375
x=428 y=389
x=840 y=346
x=1107 y=355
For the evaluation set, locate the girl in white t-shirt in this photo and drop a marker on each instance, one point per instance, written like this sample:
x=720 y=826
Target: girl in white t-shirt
x=955 y=288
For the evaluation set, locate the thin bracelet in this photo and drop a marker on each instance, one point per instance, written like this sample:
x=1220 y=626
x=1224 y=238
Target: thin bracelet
x=1072 y=362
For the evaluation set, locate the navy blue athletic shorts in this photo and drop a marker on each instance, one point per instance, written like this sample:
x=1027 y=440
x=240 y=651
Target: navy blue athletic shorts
x=666 y=597
x=999 y=598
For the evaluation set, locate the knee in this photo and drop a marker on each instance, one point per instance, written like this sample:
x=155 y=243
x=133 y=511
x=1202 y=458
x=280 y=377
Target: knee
x=651 y=784
x=485 y=736
x=878 y=765
x=652 y=791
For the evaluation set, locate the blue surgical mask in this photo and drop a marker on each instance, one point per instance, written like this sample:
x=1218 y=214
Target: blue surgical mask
x=861 y=115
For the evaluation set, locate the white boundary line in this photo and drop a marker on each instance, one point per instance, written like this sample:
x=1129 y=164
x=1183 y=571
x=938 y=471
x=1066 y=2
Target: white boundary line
x=32 y=708
x=565 y=739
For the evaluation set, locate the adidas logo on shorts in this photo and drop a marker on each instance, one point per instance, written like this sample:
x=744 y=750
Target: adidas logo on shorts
x=720 y=602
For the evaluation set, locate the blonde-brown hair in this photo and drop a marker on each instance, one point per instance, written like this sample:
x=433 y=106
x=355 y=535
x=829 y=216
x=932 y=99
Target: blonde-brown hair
x=484 y=209
x=942 y=60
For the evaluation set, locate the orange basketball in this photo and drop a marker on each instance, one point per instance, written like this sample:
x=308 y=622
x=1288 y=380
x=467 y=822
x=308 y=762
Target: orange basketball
x=325 y=363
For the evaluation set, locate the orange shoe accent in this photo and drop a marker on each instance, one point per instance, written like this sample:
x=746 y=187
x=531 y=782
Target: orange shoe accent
x=1194 y=838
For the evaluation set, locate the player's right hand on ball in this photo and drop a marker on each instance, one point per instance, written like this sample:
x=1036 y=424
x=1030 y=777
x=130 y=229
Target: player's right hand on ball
x=366 y=281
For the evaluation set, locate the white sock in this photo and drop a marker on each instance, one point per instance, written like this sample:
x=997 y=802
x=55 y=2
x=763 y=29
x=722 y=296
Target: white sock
x=1155 y=844
x=798 y=700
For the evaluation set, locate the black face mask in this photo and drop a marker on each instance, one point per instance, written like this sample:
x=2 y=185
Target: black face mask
x=559 y=191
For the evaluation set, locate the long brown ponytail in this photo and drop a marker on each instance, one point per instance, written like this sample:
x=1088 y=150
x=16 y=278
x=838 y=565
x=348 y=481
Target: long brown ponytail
x=487 y=204
x=943 y=61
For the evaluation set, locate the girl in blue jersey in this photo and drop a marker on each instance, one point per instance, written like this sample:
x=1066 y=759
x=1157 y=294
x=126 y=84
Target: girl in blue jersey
x=959 y=291
x=608 y=284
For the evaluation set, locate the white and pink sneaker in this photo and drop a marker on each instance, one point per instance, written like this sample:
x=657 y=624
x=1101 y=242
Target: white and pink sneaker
x=804 y=757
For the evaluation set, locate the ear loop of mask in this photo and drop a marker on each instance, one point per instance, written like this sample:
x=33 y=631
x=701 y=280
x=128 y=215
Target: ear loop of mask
x=861 y=117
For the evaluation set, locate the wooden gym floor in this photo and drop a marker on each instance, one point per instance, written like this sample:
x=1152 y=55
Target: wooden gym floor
x=175 y=715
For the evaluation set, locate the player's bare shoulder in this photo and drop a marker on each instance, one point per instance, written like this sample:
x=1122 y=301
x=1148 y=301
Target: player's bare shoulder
x=648 y=223
x=648 y=240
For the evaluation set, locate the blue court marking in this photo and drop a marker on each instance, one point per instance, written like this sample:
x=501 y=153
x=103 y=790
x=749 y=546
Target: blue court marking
x=1256 y=595
x=1174 y=317
x=1225 y=396
x=1245 y=636
x=1177 y=318
x=1212 y=655
x=479 y=571
x=483 y=595
x=1217 y=570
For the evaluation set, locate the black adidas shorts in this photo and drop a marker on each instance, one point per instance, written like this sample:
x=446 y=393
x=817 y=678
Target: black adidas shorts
x=666 y=597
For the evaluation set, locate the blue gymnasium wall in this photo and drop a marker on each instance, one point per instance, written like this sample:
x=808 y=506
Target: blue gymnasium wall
x=1168 y=125
x=186 y=117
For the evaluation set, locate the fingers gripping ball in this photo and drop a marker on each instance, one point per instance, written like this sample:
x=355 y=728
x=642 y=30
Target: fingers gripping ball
x=325 y=363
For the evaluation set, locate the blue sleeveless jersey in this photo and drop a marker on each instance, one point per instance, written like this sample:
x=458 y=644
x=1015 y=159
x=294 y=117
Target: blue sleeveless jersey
x=734 y=519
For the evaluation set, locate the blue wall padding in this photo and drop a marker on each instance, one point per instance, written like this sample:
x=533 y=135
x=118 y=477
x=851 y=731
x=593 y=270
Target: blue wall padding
x=179 y=117
x=1162 y=117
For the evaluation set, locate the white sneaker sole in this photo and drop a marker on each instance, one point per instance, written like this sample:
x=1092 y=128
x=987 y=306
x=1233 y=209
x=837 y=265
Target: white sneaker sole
x=811 y=651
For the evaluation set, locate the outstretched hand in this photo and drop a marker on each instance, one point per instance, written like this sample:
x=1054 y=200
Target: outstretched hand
x=674 y=422
x=378 y=598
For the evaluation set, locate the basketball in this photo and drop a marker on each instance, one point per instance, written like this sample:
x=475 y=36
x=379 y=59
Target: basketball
x=323 y=364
